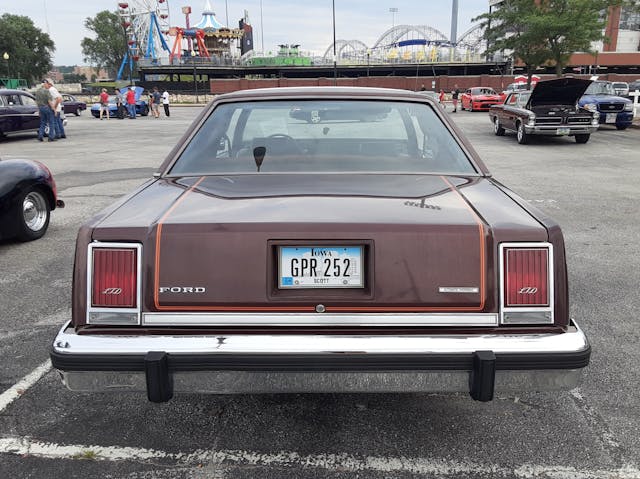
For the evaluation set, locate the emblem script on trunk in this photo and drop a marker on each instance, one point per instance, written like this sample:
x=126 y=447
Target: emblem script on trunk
x=183 y=289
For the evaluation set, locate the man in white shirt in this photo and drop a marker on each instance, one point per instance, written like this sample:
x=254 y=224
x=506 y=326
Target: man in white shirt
x=165 y=101
x=56 y=106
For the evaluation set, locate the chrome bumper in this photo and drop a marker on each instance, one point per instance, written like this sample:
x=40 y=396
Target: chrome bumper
x=553 y=130
x=479 y=364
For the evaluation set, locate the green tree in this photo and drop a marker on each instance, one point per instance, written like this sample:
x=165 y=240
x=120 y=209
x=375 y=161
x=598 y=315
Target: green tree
x=109 y=46
x=547 y=30
x=74 y=77
x=516 y=27
x=30 y=49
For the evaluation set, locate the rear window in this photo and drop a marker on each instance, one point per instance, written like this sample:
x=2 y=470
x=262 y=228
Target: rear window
x=337 y=136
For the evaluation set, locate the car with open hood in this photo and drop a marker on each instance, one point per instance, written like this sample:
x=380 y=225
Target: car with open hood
x=368 y=251
x=550 y=109
x=142 y=108
x=614 y=110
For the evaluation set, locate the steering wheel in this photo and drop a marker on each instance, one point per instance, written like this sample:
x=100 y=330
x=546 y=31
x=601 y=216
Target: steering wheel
x=282 y=144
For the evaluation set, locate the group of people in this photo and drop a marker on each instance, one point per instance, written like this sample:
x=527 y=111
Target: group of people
x=126 y=103
x=49 y=102
x=155 y=98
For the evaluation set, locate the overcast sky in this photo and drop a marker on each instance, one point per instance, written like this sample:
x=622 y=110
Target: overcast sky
x=308 y=23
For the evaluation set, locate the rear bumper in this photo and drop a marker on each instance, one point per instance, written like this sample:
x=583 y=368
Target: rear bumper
x=479 y=364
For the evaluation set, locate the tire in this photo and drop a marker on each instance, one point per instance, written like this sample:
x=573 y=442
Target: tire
x=497 y=129
x=32 y=214
x=582 y=138
x=145 y=111
x=521 y=135
x=622 y=127
x=78 y=111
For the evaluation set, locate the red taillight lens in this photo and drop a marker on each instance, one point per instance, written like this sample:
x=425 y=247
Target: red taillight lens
x=115 y=276
x=526 y=273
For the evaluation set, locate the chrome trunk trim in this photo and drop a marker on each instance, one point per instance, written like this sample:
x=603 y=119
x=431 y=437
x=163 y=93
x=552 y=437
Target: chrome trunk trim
x=318 y=319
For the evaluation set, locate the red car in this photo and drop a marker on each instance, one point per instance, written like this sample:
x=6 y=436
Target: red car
x=479 y=98
x=320 y=239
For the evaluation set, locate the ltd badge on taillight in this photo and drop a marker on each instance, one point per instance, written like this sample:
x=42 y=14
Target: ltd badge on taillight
x=113 y=283
x=526 y=283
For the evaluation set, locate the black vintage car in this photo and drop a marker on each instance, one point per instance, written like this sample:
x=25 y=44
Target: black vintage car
x=18 y=112
x=27 y=195
x=71 y=104
x=550 y=109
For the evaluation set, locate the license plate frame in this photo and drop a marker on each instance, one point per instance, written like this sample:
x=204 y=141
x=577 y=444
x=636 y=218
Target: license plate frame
x=611 y=117
x=563 y=130
x=348 y=264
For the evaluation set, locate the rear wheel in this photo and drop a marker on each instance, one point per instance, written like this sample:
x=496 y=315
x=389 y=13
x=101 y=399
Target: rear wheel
x=32 y=215
x=521 y=135
x=582 y=138
x=621 y=127
x=78 y=111
x=497 y=129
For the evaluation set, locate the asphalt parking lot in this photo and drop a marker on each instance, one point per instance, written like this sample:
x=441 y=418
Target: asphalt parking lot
x=591 y=432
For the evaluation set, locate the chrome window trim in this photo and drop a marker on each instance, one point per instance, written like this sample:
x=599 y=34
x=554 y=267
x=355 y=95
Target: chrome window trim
x=91 y=309
x=523 y=309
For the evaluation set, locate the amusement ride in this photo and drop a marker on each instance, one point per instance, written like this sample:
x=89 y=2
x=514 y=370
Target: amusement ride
x=149 y=33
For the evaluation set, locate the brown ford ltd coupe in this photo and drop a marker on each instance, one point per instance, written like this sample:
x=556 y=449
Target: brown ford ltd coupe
x=550 y=109
x=369 y=250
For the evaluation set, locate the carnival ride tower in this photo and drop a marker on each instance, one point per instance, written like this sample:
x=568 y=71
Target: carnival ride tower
x=145 y=22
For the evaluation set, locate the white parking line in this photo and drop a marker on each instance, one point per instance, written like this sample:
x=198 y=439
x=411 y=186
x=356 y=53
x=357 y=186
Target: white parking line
x=329 y=462
x=25 y=383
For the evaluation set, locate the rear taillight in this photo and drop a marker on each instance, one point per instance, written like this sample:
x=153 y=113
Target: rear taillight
x=113 y=283
x=114 y=278
x=526 y=283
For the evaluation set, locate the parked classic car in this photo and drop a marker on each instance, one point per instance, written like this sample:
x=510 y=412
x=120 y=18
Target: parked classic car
x=479 y=98
x=614 y=110
x=142 y=108
x=371 y=252
x=550 y=109
x=27 y=196
x=18 y=112
x=71 y=105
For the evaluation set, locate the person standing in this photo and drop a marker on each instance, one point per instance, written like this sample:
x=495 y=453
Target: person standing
x=454 y=97
x=43 y=99
x=165 y=102
x=131 y=102
x=441 y=98
x=104 y=103
x=156 y=98
x=120 y=104
x=56 y=106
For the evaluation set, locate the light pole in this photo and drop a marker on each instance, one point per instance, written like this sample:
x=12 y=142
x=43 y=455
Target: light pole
x=368 y=59
x=195 y=82
x=5 y=55
x=335 y=59
x=393 y=11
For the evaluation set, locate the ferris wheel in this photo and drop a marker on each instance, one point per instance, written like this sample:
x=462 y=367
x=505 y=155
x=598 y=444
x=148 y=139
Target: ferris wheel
x=145 y=22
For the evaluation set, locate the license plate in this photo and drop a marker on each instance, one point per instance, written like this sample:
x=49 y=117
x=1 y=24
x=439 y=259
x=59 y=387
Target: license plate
x=562 y=131
x=611 y=117
x=320 y=267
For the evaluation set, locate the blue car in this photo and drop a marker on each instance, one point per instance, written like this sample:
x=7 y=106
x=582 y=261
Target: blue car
x=613 y=109
x=141 y=106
